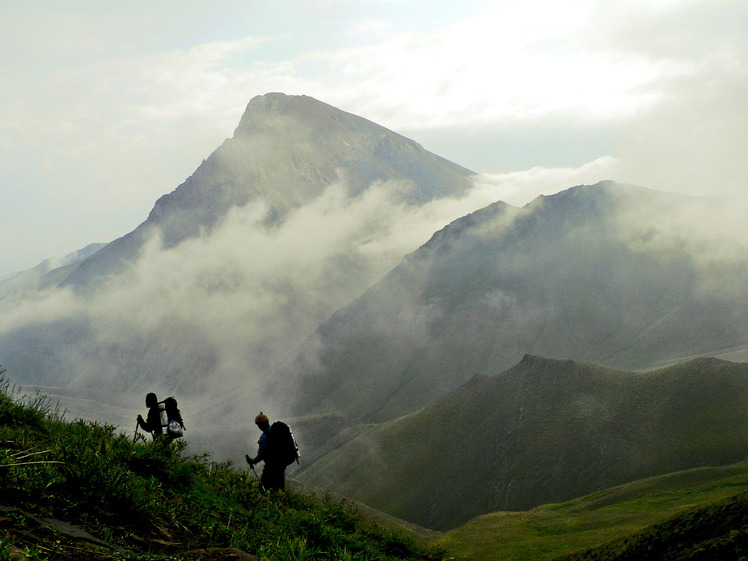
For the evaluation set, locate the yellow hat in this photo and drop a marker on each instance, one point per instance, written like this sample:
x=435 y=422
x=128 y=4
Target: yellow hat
x=261 y=418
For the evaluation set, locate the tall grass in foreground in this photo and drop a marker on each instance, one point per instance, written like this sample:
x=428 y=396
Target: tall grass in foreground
x=147 y=498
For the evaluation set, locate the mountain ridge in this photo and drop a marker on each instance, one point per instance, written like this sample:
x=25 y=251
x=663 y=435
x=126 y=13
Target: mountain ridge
x=48 y=273
x=605 y=273
x=608 y=278
x=543 y=431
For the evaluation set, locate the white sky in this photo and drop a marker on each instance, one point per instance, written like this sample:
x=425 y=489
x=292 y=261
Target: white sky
x=105 y=106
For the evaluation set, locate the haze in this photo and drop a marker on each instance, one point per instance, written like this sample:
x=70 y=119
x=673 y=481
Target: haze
x=108 y=106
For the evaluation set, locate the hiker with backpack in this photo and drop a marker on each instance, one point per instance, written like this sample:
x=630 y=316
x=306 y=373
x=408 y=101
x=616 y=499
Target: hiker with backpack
x=174 y=424
x=153 y=423
x=277 y=448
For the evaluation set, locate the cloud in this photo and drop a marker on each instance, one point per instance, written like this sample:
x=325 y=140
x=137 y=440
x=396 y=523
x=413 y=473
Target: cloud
x=488 y=70
x=690 y=137
x=139 y=102
x=694 y=140
x=239 y=301
x=519 y=188
x=101 y=118
x=216 y=319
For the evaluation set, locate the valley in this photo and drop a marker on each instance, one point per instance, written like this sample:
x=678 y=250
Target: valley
x=521 y=381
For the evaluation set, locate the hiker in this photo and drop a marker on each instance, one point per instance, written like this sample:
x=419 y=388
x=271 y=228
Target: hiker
x=174 y=423
x=277 y=449
x=153 y=424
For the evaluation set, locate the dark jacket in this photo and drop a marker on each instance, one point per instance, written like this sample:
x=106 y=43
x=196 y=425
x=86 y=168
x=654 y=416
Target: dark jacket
x=153 y=423
x=273 y=474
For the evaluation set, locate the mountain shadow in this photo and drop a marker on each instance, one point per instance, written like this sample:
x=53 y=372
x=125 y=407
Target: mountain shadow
x=544 y=431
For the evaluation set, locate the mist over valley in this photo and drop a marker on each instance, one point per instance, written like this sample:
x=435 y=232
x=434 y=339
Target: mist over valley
x=331 y=272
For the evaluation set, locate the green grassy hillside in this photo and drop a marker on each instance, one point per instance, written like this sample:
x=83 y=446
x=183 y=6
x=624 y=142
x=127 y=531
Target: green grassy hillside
x=80 y=490
x=674 y=511
x=542 y=432
x=715 y=532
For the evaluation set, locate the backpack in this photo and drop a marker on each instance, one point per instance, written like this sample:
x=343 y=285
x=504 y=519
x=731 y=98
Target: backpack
x=281 y=445
x=175 y=429
x=174 y=425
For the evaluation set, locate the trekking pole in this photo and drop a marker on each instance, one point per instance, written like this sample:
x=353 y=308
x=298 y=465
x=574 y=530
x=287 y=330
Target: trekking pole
x=252 y=467
x=136 y=430
x=260 y=486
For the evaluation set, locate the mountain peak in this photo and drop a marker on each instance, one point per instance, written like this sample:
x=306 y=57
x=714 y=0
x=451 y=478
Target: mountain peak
x=286 y=150
x=281 y=112
x=262 y=107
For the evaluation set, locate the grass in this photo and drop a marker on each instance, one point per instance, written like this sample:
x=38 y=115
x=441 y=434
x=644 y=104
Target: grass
x=552 y=531
x=148 y=500
x=546 y=430
x=717 y=531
